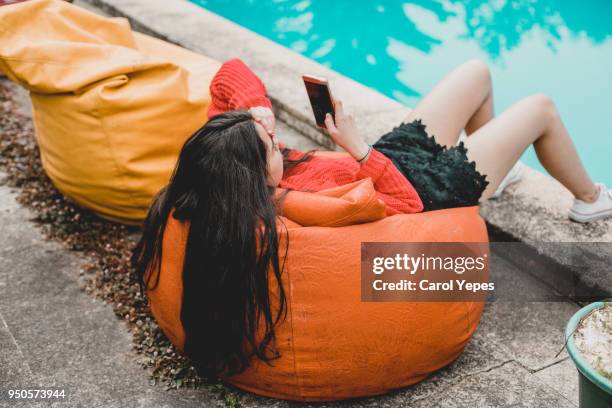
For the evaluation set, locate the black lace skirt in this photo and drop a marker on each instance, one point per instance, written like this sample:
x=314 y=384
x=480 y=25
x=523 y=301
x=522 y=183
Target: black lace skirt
x=443 y=177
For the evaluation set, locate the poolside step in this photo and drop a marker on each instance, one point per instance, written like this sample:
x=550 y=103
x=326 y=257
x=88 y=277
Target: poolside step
x=572 y=258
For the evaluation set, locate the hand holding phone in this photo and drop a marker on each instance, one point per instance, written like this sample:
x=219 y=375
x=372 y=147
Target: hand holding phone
x=344 y=133
x=329 y=115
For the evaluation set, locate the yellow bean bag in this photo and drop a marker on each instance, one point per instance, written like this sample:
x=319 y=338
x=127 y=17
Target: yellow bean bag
x=112 y=107
x=333 y=345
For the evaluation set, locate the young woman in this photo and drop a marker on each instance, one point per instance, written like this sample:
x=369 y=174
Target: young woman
x=438 y=168
x=225 y=179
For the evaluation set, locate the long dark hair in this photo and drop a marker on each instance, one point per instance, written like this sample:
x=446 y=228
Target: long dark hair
x=219 y=186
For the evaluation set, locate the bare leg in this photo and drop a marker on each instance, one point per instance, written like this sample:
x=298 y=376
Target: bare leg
x=461 y=100
x=497 y=145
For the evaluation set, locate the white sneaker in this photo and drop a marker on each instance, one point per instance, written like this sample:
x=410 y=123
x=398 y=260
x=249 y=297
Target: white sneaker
x=582 y=211
x=514 y=175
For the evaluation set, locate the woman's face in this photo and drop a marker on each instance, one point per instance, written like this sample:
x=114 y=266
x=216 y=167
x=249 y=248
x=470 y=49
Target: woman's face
x=274 y=158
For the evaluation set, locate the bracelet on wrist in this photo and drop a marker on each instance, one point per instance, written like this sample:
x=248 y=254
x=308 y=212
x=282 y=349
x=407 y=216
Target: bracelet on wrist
x=366 y=155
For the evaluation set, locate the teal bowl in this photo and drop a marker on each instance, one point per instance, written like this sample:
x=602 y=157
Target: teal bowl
x=595 y=390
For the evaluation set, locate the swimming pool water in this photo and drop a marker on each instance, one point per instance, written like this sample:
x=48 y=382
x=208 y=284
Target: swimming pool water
x=562 y=48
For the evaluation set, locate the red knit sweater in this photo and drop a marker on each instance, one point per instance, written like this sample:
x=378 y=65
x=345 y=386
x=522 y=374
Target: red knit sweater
x=235 y=86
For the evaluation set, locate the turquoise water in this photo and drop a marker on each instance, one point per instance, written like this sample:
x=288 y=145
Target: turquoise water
x=562 y=48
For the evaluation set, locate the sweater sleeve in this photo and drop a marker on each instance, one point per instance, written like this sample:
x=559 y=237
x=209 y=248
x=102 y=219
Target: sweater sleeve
x=235 y=86
x=391 y=185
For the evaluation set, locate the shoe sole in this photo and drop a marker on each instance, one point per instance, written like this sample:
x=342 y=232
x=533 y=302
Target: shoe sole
x=591 y=217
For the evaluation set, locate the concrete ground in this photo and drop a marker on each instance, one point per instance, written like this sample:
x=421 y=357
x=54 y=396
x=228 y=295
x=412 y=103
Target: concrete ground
x=53 y=334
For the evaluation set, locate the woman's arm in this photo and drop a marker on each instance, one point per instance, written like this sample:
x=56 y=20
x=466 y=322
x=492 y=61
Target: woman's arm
x=235 y=86
x=391 y=185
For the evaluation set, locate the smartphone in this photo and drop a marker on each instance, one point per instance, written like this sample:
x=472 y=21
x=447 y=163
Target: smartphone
x=320 y=98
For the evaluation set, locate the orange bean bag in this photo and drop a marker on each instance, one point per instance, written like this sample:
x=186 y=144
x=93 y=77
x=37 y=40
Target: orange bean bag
x=111 y=107
x=332 y=345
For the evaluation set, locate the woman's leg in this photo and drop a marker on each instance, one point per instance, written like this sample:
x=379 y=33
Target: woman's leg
x=497 y=145
x=461 y=100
